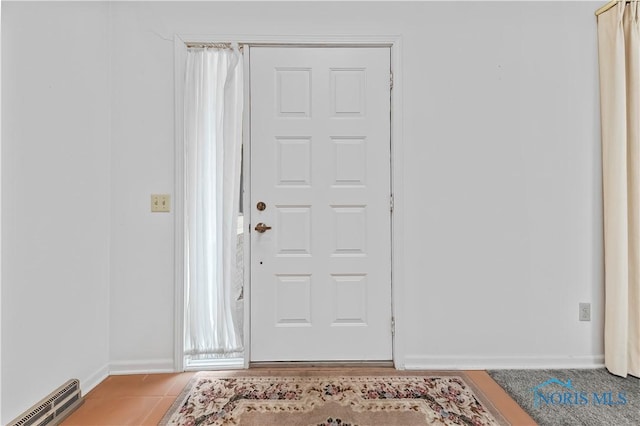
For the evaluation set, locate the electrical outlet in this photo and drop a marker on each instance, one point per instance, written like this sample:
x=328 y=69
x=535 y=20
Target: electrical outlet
x=160 y=203
x=585 y=312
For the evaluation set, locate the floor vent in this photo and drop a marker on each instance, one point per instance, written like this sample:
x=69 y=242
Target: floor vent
x=54 y=408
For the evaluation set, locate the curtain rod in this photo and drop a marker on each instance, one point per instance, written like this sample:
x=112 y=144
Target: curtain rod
x=211 y=45
x=609 y=6
x=241 y=44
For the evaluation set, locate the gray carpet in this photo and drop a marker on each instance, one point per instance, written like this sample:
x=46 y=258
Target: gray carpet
x=592 y=398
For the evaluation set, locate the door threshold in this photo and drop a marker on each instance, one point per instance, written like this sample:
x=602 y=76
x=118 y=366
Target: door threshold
x=321 y=364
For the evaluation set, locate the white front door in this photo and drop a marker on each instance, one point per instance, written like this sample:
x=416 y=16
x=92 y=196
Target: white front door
x=320 y=163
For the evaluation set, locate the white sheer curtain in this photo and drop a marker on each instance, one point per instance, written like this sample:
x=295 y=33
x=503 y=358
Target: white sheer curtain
x=213 y=142
x=619 y=55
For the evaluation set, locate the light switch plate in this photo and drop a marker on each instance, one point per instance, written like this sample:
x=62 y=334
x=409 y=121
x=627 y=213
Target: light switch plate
x=160 y=203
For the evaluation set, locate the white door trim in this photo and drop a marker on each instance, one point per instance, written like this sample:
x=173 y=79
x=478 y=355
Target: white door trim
x=397 y=178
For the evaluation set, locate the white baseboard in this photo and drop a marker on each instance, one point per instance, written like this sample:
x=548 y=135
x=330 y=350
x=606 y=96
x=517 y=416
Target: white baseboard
x=148 y=366
x=94 y=380
x=125 y=367
x=459 y=362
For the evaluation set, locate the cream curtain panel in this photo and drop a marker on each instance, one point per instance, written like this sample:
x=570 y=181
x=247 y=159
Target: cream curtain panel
x=619 y=53
x=213 y=141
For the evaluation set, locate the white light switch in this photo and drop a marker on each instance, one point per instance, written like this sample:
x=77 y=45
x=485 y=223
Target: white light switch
x=160 y=203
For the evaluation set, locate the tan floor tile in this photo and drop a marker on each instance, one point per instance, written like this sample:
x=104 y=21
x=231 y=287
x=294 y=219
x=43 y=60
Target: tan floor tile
x=158 y=412
x=113 y=411
x=113 y=385
x=179 y=383
x=135 y=385
x=500 y=399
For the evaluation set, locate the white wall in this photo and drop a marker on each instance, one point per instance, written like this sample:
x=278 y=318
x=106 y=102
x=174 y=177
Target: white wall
x=0 y=215
x=501 y=170
x=142 y=163
x=55 y=199
x=501 y=173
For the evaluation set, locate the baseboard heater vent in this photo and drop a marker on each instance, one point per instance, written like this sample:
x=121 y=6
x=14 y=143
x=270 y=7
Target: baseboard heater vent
x=54 y=408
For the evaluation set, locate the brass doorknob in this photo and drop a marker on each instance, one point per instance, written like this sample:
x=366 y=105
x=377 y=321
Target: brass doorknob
x=261 y=227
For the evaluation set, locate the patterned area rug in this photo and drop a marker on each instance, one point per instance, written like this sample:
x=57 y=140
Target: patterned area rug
x=331 y=401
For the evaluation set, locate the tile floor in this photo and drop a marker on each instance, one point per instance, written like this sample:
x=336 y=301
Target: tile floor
x=143 y=399
x=140 y=399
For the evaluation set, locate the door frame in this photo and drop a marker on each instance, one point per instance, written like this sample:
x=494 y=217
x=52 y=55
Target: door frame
x=394 y=42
